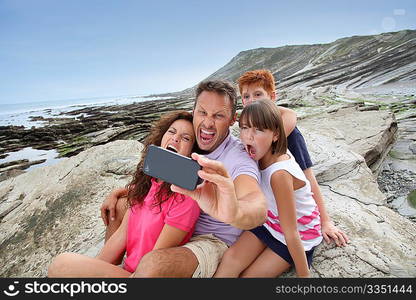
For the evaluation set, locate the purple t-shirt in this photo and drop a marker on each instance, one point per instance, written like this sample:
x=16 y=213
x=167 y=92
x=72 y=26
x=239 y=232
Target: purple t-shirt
x=237 y=162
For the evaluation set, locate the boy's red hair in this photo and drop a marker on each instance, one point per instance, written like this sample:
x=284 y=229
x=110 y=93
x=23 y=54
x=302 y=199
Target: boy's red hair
x=263 y=78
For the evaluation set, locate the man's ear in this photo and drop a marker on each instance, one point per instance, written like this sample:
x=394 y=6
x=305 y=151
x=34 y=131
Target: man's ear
x=234 y=118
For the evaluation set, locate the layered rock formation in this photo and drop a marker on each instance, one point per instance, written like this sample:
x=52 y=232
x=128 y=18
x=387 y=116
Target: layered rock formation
x=355 y=62
x=83 y=128
x=56 y=208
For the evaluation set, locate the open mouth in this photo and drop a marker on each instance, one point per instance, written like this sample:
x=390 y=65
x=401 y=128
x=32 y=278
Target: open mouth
x=251 y=151
x=206 y=136
x=171 y=148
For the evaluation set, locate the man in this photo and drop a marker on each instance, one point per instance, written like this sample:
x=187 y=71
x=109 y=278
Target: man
x=230 y=197
x=260 y=84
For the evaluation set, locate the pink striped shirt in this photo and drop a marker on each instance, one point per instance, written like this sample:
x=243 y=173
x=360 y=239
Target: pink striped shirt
x=307 y=213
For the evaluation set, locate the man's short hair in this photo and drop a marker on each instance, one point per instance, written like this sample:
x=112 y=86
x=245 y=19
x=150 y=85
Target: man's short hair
x=263 y=78
x=220 y=87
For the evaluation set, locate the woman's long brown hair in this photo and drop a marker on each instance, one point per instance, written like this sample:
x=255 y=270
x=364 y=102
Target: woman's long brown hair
x=141 y=183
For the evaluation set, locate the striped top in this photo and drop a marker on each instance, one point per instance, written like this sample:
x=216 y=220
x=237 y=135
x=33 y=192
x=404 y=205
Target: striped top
x=308 y=220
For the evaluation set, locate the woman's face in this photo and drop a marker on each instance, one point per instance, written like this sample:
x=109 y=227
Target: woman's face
x=179 y=138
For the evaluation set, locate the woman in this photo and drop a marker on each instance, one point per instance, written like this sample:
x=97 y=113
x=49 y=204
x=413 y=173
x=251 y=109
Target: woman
x=157 y=217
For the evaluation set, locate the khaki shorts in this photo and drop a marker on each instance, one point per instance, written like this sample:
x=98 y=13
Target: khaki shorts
x=209 y=250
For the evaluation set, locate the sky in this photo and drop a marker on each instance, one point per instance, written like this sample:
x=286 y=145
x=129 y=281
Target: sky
x=54 y=50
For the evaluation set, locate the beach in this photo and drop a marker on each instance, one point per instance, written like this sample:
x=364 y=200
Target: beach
x=39 y=133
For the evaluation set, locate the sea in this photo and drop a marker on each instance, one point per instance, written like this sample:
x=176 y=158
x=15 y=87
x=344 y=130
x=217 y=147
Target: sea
x=18 y=114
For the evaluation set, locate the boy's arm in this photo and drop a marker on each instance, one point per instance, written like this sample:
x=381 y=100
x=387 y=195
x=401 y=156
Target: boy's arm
x=329 y=230
x=289 y=119
x=116 y=244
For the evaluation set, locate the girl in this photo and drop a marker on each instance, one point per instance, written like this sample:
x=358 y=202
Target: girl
x=157 y=218
x=292 y=229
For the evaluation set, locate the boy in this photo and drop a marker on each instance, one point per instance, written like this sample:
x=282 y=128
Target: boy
x=260 y=84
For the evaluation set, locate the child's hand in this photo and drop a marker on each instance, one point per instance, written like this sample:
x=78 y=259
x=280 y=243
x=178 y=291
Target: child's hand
x=330 y=231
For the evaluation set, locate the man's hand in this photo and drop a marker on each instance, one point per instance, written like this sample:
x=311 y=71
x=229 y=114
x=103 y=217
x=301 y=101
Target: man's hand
x=108 y=208
x=330 y=231
x=216 y=195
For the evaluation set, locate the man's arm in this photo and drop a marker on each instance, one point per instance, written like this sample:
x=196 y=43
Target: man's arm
x=252 y=205
x=289 y=119
x=240 y=203
x=115 y=247
x=108 y=208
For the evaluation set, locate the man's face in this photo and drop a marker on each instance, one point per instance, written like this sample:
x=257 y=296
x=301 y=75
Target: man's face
x=253 y=92
x=212 y=119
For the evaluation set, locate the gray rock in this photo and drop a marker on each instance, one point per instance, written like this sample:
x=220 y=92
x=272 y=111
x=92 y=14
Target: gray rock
x=412 y=147
x=59 y=208
x=368 y=133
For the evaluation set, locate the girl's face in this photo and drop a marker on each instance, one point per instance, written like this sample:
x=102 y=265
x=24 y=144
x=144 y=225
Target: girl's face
x=257 y=142
x=179 y=138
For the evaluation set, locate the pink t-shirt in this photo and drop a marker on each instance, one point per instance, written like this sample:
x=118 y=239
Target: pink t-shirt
x=146 y=222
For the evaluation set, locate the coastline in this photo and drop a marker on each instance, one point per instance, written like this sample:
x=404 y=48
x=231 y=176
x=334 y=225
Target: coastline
x=65 y=131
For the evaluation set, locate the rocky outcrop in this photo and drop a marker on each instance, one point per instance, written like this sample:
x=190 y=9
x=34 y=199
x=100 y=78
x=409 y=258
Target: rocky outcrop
x=357 y=62
x=368 y=132
x=348 y=63
x=56 y=208
x=83 y=128
x=383 y=243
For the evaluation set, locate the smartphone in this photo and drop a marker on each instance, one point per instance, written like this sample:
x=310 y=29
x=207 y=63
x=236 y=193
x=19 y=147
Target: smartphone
x=172 y=167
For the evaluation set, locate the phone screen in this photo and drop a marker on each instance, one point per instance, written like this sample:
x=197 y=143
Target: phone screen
x=172 y=167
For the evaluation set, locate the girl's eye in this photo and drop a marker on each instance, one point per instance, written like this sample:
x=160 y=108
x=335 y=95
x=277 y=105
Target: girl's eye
x=186 y=139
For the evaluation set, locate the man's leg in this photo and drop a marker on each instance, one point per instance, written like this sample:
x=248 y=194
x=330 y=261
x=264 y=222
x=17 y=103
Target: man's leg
x=198 y=258
x=169 y=262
